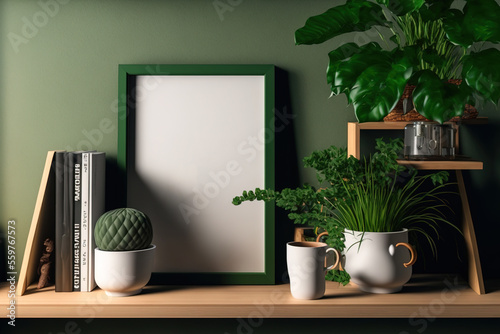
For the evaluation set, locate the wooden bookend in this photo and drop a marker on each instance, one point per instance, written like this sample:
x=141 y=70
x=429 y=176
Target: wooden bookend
x=42 y=226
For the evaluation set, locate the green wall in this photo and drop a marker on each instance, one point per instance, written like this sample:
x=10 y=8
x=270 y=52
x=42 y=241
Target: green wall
x=58 y=82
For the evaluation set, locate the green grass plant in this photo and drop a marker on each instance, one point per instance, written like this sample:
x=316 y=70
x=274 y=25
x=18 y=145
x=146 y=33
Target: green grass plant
x=373 y=207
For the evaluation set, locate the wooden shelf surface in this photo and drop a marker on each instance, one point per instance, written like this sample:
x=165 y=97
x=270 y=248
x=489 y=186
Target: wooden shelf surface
x=460 y=163
x=457 y=164
x=401 y=125
x=442 y=296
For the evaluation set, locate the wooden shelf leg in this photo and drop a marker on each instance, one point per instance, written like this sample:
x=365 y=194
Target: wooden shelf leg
x=353 y=144
x=299 y=233
x=474 y=265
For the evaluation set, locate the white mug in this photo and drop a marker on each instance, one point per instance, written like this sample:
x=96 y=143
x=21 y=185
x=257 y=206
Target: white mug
x=306 y=268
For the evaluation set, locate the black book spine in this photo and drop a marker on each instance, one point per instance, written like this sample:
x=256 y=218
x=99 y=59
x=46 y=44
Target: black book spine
x=67 y=233
x=59 y=217
x=77 y=211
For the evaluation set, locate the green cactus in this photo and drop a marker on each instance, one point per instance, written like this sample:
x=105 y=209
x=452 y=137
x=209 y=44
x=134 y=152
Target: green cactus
x=123 y=230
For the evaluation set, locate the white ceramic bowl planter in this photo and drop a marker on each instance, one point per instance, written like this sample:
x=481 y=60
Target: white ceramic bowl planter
x=123 y=273
x=124 y=255
x=378 y=262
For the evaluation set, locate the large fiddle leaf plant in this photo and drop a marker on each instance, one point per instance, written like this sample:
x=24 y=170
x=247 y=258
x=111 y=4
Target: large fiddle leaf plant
x=434 y=41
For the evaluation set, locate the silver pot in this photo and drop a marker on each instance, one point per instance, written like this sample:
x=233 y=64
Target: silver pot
x=426 y=140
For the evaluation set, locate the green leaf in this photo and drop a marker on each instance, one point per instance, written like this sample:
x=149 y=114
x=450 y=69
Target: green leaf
x=431 y=56
x=478 y=22
x=395 y=39
x=348 y=61
x=481 y=71
x=355 y=15
x=482 y=18
x=455 y=28
x=439 y=177
x=338 y=276
x=379 y=87
x=402 y=7
x=437 y=99
x=434 y=9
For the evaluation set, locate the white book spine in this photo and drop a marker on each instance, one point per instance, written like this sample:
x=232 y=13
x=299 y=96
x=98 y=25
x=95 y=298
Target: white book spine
x=84 y=245
x=90 y=281
x=97 y=167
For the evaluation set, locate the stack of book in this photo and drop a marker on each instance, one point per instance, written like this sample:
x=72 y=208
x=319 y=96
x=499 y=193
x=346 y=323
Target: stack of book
x=79 y=202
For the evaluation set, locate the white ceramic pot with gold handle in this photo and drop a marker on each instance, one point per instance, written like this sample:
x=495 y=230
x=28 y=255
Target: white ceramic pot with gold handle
x=378 y=262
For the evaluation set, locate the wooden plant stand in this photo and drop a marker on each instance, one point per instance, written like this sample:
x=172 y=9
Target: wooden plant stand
x=475 y=276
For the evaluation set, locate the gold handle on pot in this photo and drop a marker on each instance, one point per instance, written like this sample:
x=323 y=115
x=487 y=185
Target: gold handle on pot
x=413 y=253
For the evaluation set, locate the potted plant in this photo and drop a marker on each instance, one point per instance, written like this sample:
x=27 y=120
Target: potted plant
x=433 y=42
x=358 y=200
x=124 y=254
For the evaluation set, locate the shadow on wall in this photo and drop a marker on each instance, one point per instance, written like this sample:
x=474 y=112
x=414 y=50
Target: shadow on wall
x=115 y=186
x=483 y=190
x=286 y=168
x=451 y=254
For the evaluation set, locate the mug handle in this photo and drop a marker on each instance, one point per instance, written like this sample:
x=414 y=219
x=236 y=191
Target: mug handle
x=413 y=253
x=337 y=254
x=337 y=258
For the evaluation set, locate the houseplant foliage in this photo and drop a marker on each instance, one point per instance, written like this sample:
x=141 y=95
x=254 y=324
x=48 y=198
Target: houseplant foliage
x=434 y=42
x=372 y=195
x=123 y=229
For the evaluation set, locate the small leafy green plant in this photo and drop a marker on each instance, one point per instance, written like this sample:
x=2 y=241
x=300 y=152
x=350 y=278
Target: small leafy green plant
x=372 y=195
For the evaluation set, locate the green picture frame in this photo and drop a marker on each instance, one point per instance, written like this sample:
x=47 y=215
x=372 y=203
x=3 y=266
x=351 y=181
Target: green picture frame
x=248 y=94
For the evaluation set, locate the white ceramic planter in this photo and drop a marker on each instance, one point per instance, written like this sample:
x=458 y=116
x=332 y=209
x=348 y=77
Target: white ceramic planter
x=123 y=273
x=380 y=262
